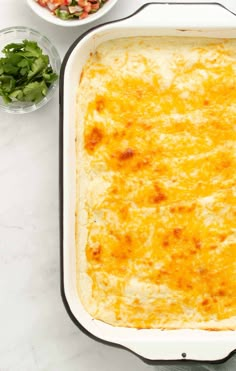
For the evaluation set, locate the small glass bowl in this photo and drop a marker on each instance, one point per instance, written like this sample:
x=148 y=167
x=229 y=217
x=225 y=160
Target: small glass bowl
x=17 y=35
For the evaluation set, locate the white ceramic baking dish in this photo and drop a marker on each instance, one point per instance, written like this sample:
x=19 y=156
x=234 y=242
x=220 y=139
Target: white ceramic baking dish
x=198 y=20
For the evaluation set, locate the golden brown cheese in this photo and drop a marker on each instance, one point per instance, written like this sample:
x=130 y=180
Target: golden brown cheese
x=156 y=183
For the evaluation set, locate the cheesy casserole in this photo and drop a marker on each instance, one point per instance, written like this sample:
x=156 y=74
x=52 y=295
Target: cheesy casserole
x=156 y=183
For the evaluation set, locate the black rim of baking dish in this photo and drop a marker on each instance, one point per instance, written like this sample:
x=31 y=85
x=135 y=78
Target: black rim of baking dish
x=183 y=356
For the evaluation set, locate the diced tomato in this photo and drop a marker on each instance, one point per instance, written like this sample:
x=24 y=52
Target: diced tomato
x=88 y=8
x=84 y=15
x=60 y=2
x=82 y=3
x=42 y=3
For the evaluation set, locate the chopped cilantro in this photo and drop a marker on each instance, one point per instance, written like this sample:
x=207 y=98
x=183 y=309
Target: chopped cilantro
x=25 y=72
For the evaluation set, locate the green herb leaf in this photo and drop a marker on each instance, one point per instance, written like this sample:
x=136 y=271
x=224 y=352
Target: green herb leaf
x=7 y=83
x=32 y=48
x=16 y=95
x=35 y=91
x=23 y=63
x=49 y=77
x=13 y=47
x=38 y=65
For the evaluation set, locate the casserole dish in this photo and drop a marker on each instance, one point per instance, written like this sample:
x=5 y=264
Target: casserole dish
x=154 y=19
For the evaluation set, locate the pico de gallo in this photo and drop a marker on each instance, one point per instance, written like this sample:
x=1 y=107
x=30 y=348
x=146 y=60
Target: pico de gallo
x=72 y=9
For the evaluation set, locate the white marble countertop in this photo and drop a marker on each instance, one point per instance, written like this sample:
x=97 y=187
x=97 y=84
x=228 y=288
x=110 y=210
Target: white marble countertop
x=36 y=333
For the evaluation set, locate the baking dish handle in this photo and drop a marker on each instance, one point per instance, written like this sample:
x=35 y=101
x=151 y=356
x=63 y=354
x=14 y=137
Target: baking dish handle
x=184 y=15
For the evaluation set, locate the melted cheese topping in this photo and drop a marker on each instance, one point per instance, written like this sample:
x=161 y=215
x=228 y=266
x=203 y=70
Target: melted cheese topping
x=156 y=205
